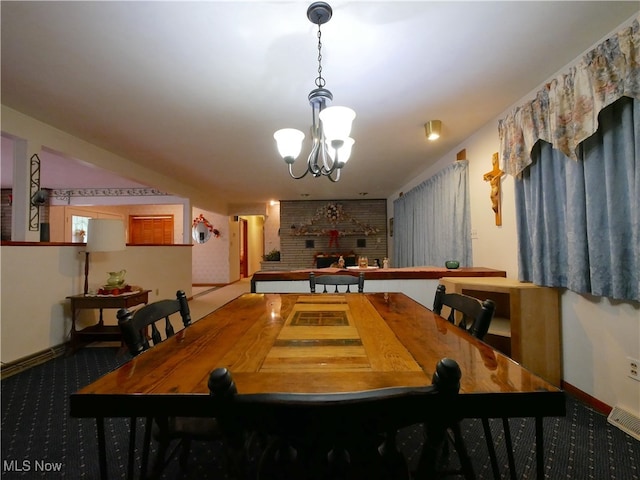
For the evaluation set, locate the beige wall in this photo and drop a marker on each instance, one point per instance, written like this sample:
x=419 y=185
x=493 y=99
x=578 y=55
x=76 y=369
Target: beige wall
x=211 y=259
x=234 y=249
x=34 y=313
x=255 y=241
x=272 y=228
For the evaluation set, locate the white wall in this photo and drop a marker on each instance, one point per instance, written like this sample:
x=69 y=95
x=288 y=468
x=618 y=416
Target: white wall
x=255 y=242
x=35 y=314
x=234 y=249
x=211 y=259
x=272 y=228
x=598 y=334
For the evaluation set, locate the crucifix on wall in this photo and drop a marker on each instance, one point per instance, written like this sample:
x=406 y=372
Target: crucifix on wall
x=494 y=177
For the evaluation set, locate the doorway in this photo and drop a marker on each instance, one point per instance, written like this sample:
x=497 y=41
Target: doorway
x=244 y=248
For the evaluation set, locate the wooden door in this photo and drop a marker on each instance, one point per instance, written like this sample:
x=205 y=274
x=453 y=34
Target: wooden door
x=244 y=248
x=151 y=229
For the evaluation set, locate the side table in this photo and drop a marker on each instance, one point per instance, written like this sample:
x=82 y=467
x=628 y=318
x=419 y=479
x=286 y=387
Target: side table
x=100 y=332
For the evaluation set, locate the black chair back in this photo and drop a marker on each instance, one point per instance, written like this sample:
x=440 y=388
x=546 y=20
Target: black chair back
x=476 y=319
x=336 y=280
x=476 y=315
x=134 y=325
x=337 y=435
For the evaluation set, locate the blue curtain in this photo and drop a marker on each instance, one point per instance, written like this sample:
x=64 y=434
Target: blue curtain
x=432 y=222
x=579 y=221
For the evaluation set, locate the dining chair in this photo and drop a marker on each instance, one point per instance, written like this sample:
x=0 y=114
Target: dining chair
x=475 y=317
x=336 y=280
x=338 y=435
x=134 y=326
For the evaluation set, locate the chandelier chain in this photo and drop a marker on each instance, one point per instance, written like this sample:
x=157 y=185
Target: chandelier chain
x=331 y=143
x=320 y=81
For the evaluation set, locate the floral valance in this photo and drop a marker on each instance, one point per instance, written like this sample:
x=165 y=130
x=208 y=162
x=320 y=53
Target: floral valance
x=565 y=112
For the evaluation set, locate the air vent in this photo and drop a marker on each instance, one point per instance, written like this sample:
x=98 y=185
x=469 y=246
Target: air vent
x=625 y=421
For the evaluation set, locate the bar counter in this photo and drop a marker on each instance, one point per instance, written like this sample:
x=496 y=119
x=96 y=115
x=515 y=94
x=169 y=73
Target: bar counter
x=419 y=283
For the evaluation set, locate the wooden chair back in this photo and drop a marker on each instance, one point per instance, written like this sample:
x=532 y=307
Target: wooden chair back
x=475 y=315
x=336 y=280
x=134 y=325
x=338 y=435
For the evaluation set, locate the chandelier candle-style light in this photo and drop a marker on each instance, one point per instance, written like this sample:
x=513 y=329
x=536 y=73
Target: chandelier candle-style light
x=331 y=125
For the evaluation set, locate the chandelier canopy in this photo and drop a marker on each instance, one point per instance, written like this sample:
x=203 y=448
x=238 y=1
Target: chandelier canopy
x=331 y=126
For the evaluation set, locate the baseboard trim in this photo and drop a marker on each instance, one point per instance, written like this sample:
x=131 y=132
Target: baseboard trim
x=25 y=363
x=584 y=397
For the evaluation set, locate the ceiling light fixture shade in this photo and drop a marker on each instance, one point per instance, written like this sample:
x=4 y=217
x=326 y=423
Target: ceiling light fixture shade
x=105 y=235
x=289 y=142
x=432 y=129
x=331 y=126
x=336 y=122
x=344 y=151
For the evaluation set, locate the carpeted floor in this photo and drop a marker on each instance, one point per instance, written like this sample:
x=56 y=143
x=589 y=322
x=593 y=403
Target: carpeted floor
x=38 y=434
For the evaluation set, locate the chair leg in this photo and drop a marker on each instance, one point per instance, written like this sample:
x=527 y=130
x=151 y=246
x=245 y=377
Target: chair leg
x=430 y=463
x=509 y=446
x=184 y=453
x=395 y=465
x=163 y=446
x=148 y=424
x=158 y=464
x=465 y=460
x=491 y=448
x=132 y=446
x=102 y=448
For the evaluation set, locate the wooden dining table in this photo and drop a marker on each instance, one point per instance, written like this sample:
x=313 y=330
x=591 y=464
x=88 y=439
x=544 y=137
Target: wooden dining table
x=320 y=343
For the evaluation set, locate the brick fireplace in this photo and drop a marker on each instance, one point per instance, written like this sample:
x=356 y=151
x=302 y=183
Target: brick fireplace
x=314 y=232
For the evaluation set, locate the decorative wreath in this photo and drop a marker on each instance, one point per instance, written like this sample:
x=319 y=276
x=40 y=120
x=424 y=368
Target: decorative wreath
x=200 y=219
x=334 y=212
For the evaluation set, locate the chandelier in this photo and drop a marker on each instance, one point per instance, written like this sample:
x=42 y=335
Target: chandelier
x=331 y=125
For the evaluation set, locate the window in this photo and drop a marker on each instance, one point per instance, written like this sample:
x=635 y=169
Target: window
x=79 y=228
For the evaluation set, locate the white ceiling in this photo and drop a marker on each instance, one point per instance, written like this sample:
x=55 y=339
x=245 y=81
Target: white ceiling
x=195 y=90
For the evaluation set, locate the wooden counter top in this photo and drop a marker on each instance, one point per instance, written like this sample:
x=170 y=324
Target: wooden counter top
x=406 y=273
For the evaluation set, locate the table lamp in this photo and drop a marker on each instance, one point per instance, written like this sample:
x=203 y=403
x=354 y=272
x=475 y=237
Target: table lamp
x=103 y=235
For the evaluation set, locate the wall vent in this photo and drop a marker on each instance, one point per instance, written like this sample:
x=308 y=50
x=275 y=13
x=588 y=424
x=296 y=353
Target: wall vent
x=625 y=421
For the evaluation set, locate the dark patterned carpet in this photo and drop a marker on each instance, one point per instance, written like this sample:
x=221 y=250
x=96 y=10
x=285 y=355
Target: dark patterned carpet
x=40 y=440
